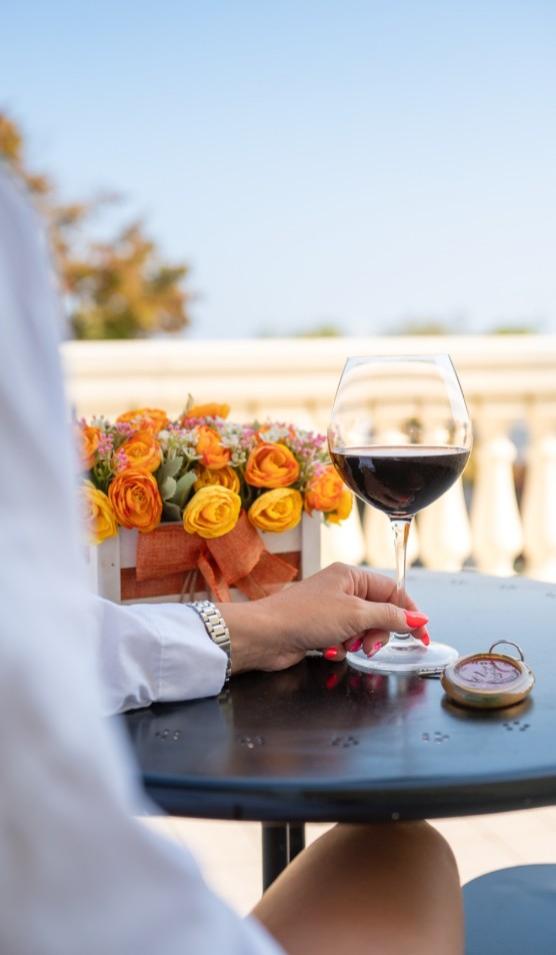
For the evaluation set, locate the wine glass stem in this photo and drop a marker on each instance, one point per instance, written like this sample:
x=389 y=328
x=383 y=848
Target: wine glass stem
x=401 y=530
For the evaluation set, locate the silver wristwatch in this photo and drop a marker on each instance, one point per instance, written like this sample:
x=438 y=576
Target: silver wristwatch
x=216 y=629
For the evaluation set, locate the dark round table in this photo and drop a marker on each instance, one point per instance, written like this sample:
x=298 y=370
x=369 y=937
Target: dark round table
x=322 y=742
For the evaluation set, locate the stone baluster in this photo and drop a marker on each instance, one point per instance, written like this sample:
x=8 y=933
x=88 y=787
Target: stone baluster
x=444 y=531
x=495 y=519
x=343 y=541
x=379 y=540
x=539 y=497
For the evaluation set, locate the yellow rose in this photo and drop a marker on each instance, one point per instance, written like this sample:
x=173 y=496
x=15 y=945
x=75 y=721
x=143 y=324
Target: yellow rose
x=225 y=477
x=136 y=500
x=213 y=454
x=151 y=419
x=142 y=451
x=343 y=510
x=89 y=438
x=325 y=491
x=101 y=520
x=211 y=410
x=212 y=512
x=277 y=510
x=271 y=465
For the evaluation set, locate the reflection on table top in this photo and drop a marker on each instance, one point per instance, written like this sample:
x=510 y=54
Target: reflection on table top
x=320 y=741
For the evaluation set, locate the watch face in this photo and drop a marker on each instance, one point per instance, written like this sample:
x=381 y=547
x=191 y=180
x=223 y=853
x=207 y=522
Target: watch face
x=487 y=680
x=486 y=673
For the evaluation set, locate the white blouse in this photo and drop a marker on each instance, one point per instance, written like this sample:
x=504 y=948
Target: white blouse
x=78 y=876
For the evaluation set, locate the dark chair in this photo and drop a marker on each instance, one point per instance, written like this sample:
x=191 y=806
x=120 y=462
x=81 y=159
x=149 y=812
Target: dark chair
x=511 y=912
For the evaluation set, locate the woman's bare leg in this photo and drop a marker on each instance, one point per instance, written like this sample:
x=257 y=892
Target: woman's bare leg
x=388 y=889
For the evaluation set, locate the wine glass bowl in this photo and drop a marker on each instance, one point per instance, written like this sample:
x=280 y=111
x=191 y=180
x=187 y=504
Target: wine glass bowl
x=400 y=436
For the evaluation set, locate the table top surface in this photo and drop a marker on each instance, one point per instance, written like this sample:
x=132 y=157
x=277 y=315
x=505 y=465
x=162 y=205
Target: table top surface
x=321 y=741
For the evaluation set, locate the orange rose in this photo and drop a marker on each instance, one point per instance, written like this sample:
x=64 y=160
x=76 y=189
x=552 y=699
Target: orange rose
x=142 y=451
x=343 y=510
x=211 y=410
x=136 y=500
x=325 y=491
x=213 y=455
x=100 y=518
x=225 y=477
x=271 y=465
x=89 y=439
x=151 y=419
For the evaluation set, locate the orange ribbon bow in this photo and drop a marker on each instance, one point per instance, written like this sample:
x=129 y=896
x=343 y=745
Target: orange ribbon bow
x=237 y=559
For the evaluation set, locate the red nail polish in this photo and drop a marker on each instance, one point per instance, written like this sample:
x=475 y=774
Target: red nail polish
x=332 y=681
x=331 y=653
x=355 y=645
x=425 y=638
x=415 y=619
x=375 y=648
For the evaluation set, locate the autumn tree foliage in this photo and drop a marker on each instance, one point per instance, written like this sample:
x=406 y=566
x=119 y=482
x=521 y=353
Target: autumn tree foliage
x=116 y=288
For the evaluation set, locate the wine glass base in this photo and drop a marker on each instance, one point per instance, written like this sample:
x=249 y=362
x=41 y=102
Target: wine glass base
x=432 y=659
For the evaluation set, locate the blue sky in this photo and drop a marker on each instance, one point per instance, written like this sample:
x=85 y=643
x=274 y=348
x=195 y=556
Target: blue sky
x=355 y=162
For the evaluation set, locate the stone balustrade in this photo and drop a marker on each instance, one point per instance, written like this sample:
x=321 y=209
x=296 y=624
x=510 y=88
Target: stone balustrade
x=509 y=383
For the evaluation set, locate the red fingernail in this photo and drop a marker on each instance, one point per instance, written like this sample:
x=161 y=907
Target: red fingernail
x=355 y=645
x=331 y=653
x=332 y=681
x=425 y=638
x=415 y=619
x=375 y=648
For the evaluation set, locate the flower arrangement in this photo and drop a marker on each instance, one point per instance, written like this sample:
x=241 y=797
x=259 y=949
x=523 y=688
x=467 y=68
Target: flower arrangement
x=205 y=472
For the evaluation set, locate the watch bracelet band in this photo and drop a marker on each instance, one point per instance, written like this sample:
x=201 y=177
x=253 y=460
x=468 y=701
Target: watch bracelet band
x=216 y=628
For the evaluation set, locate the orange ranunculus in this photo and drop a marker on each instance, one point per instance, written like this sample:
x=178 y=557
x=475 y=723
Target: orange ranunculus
x=89 y=438
x=342 y=510
x=277 y=510
x=142 y=451
x=325 y=491
x=213 y=454
x=211 y=410
x=151 y=419
x=101 y=520
x=136 y=500
x=271 y=465
x=212 y=512
x=225 y=477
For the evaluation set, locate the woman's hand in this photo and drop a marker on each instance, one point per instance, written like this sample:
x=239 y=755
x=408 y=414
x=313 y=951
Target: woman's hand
x=340 y=608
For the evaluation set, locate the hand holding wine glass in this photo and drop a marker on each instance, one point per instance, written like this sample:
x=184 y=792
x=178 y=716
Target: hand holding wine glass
x=400 y=436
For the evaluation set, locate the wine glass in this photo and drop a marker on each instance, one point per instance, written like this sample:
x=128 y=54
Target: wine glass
x=400 y=436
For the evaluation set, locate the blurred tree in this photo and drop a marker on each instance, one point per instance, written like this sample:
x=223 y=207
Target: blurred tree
x=424 y=326
x=323 y=330
x=120 y=288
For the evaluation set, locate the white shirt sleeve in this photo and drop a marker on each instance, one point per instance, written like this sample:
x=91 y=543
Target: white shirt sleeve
x=77 y=873
x=155 y=653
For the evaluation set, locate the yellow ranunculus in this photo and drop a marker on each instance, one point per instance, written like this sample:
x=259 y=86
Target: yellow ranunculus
x=343 y=509
x=212 y=512
x=277 y=510
x=225 y=477
x=99 y=514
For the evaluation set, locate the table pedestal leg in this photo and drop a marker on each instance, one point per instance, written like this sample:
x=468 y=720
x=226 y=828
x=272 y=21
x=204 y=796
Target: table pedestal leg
x=282 y=841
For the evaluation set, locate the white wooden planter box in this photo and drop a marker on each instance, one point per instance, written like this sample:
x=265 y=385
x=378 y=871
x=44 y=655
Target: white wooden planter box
x=108 y=560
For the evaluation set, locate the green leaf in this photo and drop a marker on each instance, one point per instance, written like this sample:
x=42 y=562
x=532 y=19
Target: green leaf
x=183 y=488
x=171 y=512
x=169 y=468
x=168 y=488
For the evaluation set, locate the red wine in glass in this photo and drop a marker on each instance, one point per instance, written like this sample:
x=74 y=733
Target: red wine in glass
x=400 y=436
